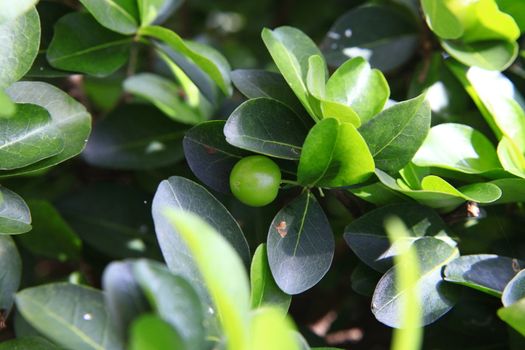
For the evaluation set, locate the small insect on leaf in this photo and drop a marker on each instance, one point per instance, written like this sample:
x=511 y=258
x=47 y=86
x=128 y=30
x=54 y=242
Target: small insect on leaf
x=516 y=265
x=282 y=229
x=473 y=210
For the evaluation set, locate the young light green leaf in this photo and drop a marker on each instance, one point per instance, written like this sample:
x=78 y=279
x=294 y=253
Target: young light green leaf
x=29 y=137
x=441 y=19
x=265 y=291
x=514 y=315
x=300 y=245
x=150 y=332
x=120 y=16
x=270 y=330
x=356 y=85
x=225 y=278
x=491 y=55
x=19 y=43
x=395 y=135
x=67 y=114
x=156 y=10
x=466 y=150
x=266 y=126
x=341 y=112
x=7 y=107
x=15 y=217
x=11 y=266
x=71 y=315
x=80 y=44
x=510 y=156
x=515 y=289
x=11 y=10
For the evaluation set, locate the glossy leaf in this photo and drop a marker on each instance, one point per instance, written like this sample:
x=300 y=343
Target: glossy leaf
x=356 y=85
x=150 y=332
x=270 y=330
x=290 y=50
x=151 y=141
x=466 y=150
x=15 y=217
x=373 y=32
x=209 y=156
x=510 y=156
x=174 y=300
x=515 y=289
x=514 y=316
x=367 y=237
x=512 y=190
x=488 y=273
x=514 y=8
x=491 y=55
x=225 y=278
x=71 y=315
x=117 y=15
x=80 y=44
x=28 y=137
x=20 y=40
x=10 y=11
x=164 y=94
x=334 y=155
x=438 y=297
x=67 y=114
x=50 y=236
x=266 y=126
x=156 y=10
x=300 y=245
x=395 y=135
x=265 y=291
x=7 y=107
x=11 y=265
x=441 y=19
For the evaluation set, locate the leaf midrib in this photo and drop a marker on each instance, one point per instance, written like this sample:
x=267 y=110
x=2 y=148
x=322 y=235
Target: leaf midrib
x=91 y=49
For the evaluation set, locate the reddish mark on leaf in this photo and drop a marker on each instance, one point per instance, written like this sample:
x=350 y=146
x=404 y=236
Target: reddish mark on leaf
x=210 y=150
x=282 y=229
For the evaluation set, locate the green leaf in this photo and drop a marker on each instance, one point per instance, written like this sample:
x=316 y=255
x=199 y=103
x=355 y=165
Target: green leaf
x=156 y=10
x=209 y=156
x=80 y=44
x=11 y=267
x=442 y=20
x=339 y=111
x=164 y=94
x=68 y=115
x=513 y=190
x=466 y=150
x=367 y=237
x=183 y=194
x=7 y=107
x=114 y=219
x=515 y=289
x=395 y=135
x=511 y=158
x=265 y=291
x=51 y=236
x=356 y=85
x=364 y=279
x=151 y=141
x=120 y=16
x=270 y=330
x=266 y=126
x=488 y=273
x=30 y=136
x=438 y=297
x=150 y=332
x=225 y=278
x=334 y=155
x=71 y=315
x=206 y=58
x=514 y=8
x=495 y=55
x=291 y=49
x=32 y=342
x=300 y=245
x=254 y=83
x=10 y=11
x=514 y=316
x=123 y=296
x=382 y=34
x=15 y=217
x=20 y=40
x=174 y=300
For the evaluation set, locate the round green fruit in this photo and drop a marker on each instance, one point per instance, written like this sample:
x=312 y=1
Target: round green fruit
x=255 y=180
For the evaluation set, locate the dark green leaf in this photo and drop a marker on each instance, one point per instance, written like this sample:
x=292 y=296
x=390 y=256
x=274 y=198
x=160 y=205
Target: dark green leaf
x=513 y=190
x=300 y=245
x=28 y=343
x=68 y=115
x=15 y=217
x=150 y=141
x=209 y=156
x=367 y=237
x=19 y=43
x=174 y=300
x=80 y=44
x=488 y=273
x=51 y=236
x=265 y=291
x=11 y=267
x=152 y=333
x=117 y=15
x=266 y=126
x=156 y=10
x=364 y=280
x=515 y=289
x=395 y=134
x=437 y=296
x=71 y=315
x=28 y=137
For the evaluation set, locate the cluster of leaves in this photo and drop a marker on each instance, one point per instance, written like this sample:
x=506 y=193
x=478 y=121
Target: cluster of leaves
x=334 y=133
